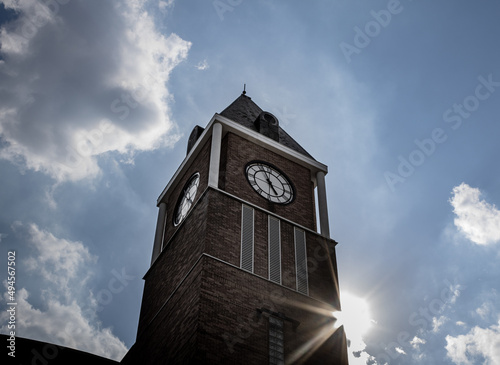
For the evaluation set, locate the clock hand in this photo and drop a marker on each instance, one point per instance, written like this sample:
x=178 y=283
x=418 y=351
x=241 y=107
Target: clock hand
x=272 y=186
x=274 y=190
x=268 y=178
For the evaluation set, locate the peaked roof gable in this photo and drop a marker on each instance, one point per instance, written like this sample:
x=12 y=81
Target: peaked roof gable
x=244 y=111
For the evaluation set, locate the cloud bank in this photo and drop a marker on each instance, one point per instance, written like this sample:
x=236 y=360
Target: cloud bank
x=480 y=344
x=66 y=313
x=476 y=219
x=79 y=79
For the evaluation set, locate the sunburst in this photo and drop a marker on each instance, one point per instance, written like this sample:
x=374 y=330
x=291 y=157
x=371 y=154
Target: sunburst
x=356 y=319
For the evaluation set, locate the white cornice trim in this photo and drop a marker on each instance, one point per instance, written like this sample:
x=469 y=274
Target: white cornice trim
x=268 y=143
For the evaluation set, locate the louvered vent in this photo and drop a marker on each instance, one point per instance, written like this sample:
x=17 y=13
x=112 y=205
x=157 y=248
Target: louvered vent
x=247 y=230
x=274 y=250
x=301 y=260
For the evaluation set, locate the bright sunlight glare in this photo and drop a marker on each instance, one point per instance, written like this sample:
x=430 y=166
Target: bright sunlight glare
x=355 y=314
x=355 y=317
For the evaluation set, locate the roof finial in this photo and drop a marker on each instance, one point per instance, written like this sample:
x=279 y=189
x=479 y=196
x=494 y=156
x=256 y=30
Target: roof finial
x=244 y=89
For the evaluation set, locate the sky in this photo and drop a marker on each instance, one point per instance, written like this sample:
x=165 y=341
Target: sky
x=399 y=98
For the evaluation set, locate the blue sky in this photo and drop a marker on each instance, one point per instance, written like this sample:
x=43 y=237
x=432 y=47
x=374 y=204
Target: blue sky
x=399 y=98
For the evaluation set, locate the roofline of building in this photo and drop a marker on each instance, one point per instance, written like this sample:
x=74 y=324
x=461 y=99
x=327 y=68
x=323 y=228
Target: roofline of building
x=229 y=126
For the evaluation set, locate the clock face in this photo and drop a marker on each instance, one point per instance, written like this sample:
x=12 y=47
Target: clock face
x=269 y=182
x=186 y=199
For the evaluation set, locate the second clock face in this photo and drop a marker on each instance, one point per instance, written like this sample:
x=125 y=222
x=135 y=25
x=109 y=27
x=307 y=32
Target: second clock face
x=186 y=199
x=269 y=182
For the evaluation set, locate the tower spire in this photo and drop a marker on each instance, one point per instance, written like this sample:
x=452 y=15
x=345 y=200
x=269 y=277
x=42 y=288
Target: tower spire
x=244 y=89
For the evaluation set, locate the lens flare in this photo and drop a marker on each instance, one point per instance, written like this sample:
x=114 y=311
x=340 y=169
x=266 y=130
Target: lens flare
x=356 y=319
x=355 y=315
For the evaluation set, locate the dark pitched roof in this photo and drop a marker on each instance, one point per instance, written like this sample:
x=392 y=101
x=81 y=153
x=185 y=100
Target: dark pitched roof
x=38 y=352
x=244 y=111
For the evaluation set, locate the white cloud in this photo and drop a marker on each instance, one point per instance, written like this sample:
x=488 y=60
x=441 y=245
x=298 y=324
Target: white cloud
x=480 y=344
x=438 y=322
x=478 y=220
x=163 y=5
x=400 y=350
x=82 y=79
x=202 y=65
x=416 y=342
x=485 y=310
x=67 y=313
x=65 y=325
x=57 y=260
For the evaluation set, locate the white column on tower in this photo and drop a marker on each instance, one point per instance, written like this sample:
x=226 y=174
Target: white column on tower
x=213 y=174
x=322 y=205
x=160 y=227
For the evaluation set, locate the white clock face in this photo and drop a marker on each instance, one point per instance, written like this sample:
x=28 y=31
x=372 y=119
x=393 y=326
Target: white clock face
x=186 y=199
x=269 y=182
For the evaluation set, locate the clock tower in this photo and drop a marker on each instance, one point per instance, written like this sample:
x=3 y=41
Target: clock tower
x=243 y=269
